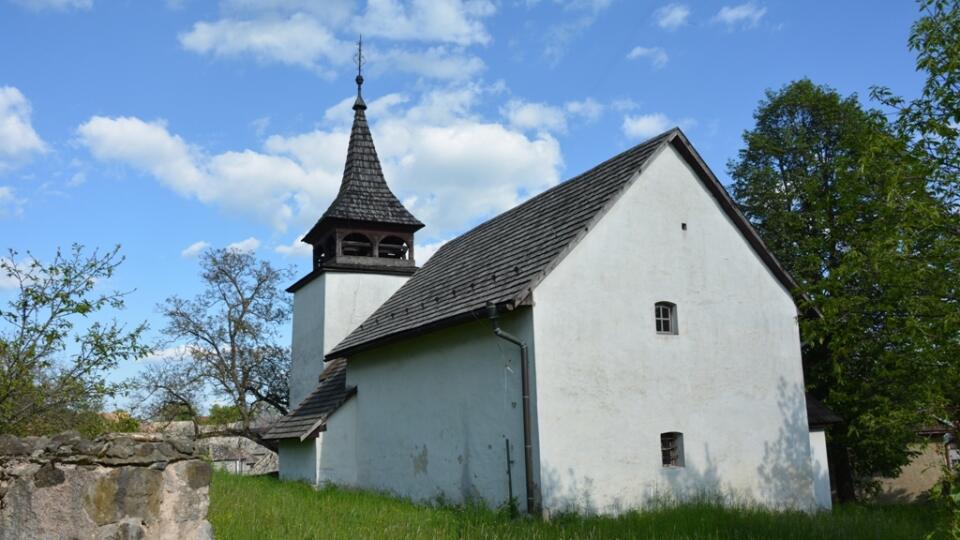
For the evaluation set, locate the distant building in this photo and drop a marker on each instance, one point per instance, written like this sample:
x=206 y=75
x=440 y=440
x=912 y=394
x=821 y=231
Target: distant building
x=935 y=451
x=623 y=336
x=230 y=453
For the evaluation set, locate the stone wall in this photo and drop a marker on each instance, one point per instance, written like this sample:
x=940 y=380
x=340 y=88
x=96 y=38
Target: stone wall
x=118 y=487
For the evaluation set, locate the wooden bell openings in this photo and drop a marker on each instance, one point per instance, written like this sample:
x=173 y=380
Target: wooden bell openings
x=350 y=246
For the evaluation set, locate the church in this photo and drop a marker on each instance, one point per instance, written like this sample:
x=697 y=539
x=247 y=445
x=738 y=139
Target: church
x=622 y=337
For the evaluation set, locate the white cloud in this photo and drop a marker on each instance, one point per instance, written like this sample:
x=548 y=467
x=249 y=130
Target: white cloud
x=588 y=109
x=461 y=168
x=10 y=204
x=559 y=36
x=8 y=282
x=297 y=40
x=434 y=62
x=295 y=249
x=55 y=5
x=625 y=104
x=645 y=126
x=530 y=116
x=334 y=12
x=268 y=187
x=304 y=33
x=446 y=21
x=77 y=179
x=534 y=116
x=671 y=16
x=18 y=140
x=657 y=56
x=246 y=245
x=260 y=125
x=194 y=249
x=747 y=15
x=175 y=353
x=423 y=252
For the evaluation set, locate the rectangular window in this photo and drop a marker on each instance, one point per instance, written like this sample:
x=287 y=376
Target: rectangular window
x=671 y=449
x=665 y=316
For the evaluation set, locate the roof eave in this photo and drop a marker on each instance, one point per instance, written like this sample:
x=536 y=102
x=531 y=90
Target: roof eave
x=472 y=315
x=690 y=154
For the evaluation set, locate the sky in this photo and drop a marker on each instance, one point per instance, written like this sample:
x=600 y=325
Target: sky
x=168 y=127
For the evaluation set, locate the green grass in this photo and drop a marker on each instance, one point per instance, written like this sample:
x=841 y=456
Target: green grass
x=265 y=508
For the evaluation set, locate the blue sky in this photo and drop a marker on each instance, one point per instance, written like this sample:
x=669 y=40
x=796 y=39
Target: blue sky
x=170 y=125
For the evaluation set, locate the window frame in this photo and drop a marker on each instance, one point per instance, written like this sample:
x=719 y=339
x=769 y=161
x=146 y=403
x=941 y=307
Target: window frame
x=670 y=321
x=671 y=450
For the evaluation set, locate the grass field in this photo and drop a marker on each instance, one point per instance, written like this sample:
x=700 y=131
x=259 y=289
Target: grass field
x=265 y=508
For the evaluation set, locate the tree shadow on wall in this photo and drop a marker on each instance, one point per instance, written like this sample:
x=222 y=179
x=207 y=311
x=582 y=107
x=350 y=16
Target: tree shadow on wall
x=786 y=471
x=570 y=492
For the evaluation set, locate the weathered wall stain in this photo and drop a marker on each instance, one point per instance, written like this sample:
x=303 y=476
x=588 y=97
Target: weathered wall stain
x=420 y=462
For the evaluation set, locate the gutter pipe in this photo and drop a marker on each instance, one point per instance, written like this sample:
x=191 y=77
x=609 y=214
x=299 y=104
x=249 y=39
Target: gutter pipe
x=492 y=314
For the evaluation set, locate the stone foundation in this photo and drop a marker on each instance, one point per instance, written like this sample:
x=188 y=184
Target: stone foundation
x=118 y=487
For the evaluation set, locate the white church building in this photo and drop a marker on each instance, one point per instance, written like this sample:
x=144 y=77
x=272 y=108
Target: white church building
x=622 y=337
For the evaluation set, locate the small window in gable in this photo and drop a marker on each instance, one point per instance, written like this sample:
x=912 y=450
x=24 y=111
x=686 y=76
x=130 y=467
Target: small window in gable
x=671 y=449
x=665 y=314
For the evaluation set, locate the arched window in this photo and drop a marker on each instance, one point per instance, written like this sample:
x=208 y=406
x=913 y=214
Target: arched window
x=356 y=245
x=665 y=315
x=393 y=247
x=671 y=449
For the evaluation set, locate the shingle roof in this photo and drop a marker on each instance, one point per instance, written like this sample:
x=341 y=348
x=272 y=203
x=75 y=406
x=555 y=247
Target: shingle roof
x=311 y=415
x=364 y=194
x=819 y=415
x=503 y=259
x=500 y=260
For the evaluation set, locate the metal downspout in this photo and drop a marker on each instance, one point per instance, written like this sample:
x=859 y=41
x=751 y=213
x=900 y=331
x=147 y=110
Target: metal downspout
x=492 y=314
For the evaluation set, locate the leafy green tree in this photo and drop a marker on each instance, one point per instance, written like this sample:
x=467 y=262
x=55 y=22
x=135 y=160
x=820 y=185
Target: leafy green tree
x=56 y=345
x=226 y=342
x=932 y=120
x=844 y=202
x=223 y=414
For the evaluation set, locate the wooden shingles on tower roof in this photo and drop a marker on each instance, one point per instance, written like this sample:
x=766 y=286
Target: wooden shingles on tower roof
x=502 y=260
x=364 y=196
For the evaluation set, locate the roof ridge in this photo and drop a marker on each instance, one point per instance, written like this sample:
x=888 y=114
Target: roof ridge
x=665 y=135
x=661 y=141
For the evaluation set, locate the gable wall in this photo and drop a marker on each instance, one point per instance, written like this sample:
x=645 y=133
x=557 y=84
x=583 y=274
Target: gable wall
x=608 y=385
x=433 y=414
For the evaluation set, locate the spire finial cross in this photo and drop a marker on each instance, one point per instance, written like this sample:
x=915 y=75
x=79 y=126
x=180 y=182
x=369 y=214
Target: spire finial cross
x=359 y=60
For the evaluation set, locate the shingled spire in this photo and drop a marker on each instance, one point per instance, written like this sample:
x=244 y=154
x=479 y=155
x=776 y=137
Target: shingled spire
x=365 y=225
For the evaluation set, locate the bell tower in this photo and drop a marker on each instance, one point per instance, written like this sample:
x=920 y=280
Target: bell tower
x=362 y=253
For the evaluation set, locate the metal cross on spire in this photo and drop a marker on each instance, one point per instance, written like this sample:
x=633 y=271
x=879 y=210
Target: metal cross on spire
x=359 y=60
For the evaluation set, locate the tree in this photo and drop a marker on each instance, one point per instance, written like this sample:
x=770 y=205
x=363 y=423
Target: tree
x=227 y=336
x=222 y=414
x=844 y=202
x=53 y=373
x=931 y=123
x=932 y=120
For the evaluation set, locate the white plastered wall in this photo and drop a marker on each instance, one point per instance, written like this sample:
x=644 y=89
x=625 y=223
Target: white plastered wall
x=821 y=470
x=298 y=460
x=337 y=463
x=325 y=310
x=608 y=385
x=433 y=414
